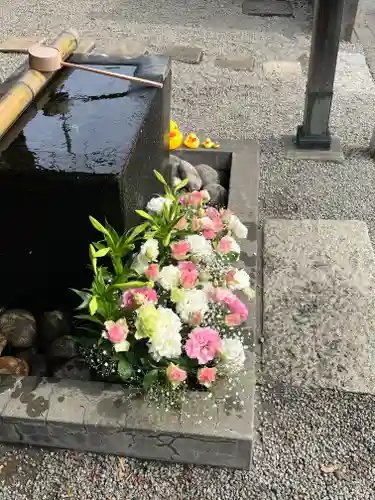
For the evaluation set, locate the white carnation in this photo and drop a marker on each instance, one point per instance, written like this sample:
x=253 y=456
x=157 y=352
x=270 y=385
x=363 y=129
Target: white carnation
x=232 y=355
x=150 y=250
x=157 y=204
x=191 y=302
x=241 y=280
x=199 y=245
x=234 y=246
x=169 y=277
x=236 y=227
x=165 y=341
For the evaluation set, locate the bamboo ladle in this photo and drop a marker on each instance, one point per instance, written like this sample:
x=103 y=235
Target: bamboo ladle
x=48 y=59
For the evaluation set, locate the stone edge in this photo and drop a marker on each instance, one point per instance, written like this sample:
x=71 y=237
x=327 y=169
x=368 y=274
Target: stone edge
x=106 y=418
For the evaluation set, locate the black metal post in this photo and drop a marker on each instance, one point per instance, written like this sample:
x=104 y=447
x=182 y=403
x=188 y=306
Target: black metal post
x=314 y=132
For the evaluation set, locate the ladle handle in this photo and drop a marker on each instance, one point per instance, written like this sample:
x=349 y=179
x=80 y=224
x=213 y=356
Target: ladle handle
x=114 y=75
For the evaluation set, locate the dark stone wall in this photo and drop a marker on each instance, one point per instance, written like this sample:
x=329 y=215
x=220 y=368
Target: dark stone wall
x=89 y=148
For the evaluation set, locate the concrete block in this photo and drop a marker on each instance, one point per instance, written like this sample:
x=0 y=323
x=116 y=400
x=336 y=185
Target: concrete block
x=334 y=154
x=19 y=44
x=108 y=418
x=279 y=8
x=190 y=55
x=245 y=63
x=319 y=312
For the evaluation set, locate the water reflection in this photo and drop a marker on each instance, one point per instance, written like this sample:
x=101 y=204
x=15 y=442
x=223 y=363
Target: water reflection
x=88 y=124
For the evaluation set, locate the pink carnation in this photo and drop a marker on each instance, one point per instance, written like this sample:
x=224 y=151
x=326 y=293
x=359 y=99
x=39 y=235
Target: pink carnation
x=180 y=249
x=136 y=297
x=175 y=374
x=206 y=376
x=188 y=274
x=214 y=215
x=116 y=332
x=203 y=344
x=238 y=310
x=152 y=271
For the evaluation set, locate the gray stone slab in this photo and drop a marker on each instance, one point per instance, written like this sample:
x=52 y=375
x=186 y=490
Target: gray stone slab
x=20 y=45
x=267 y=8
x=334 y=154
x=238 y=63
x=319 y=310
x=125 y=48
x=190 y=55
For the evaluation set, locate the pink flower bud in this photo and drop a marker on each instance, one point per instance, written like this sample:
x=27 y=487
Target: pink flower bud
x=206 y=376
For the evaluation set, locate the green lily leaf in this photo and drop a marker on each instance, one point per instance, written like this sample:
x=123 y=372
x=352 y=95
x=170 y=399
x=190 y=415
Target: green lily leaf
x=87 y=317
x=102 y=252
x=99 y=227
x=145 y=215
x=93 y=306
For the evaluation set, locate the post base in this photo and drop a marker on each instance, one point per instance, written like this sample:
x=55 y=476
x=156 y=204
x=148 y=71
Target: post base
x=294 y=152
x=319 y=142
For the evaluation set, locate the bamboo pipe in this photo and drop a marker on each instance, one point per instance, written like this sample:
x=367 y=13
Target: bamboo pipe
x=25 y=89
x=46 y=59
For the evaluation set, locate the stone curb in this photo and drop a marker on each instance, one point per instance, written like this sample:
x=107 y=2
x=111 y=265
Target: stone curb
x=107 y=418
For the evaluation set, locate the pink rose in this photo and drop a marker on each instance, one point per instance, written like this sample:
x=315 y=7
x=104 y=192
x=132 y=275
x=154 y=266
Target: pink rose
x=152 y=272
x=136 y=297
x=225 y=245
x=175 y=374
x=116 y=332
x=209 y=234
x=203 y=344
x=188 y=274
x=206 y=376
x=233 y=319
x=196 y=224
x=180 y=249
x=230 y=277
x=181 y=224
x=193 y=199
x=196 y=318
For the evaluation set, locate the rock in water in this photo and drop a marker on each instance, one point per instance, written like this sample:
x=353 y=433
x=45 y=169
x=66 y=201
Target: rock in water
x=37 y=362
x=218 y=194
x=54 y=324
x=74 y=369
x=13 y=366
x=187 y=171
x=63 y=348
x=182 y=169
x=208 y=174
x=18 y=327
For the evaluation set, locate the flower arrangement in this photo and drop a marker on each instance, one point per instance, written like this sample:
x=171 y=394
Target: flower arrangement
x=163 y=305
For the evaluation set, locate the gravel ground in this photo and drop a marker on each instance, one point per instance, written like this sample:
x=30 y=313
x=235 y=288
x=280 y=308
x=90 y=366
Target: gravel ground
x=302 y=432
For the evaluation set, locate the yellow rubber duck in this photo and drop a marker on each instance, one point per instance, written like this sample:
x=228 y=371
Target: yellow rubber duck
x=208 y=144
x=175 y=136
x=192 y=141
